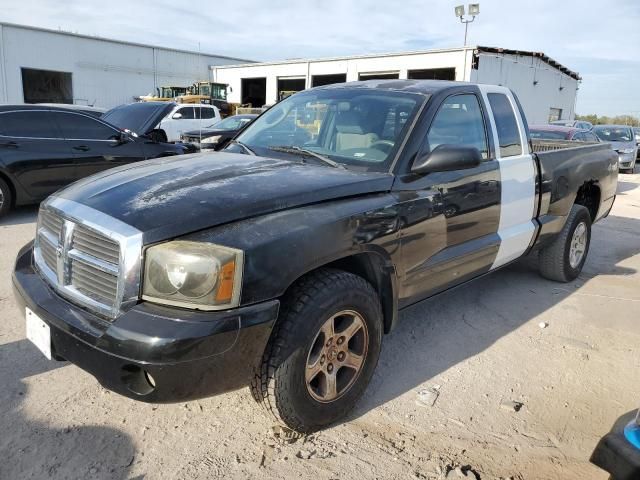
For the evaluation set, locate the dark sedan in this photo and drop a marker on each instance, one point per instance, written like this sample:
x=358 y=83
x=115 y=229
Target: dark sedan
x=42 y=149
x=217 y=136
x=560 y=132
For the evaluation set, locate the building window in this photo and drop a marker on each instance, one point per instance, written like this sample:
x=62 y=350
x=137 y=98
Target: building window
x=46 y=86
x=555 y=114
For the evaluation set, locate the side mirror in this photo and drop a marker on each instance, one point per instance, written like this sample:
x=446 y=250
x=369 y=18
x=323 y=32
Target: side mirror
x=121 y=138
x=176 y=116
x=445 y=158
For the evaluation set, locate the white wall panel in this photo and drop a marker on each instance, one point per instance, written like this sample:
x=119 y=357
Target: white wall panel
x=105 y=73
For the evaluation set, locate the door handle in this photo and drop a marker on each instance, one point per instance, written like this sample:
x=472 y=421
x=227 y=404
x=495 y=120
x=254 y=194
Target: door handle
x=10 y=145
x=81 y=148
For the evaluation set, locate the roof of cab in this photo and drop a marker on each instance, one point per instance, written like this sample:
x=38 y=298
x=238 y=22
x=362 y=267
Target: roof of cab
x=424 y=87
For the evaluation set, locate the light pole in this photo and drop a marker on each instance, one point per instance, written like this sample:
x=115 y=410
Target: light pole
x=474 y=11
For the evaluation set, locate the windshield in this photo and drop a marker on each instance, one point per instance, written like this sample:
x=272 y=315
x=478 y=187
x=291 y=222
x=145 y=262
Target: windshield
x=357 y=127
x=614 y=134
x=547 y=135
x=231 y=123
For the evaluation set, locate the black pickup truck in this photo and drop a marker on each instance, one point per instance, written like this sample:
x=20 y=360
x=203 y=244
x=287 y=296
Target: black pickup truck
x=282 y=261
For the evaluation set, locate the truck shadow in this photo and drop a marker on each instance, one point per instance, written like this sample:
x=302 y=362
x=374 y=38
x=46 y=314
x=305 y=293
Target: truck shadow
x=20 y=216
x=439 y=333
x=36 y=449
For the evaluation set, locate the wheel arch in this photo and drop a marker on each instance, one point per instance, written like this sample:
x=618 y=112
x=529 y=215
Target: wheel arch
x=588 y=195
x=376 y=268
x=12 y=187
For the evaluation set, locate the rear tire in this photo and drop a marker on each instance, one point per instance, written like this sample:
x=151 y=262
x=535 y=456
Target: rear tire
x=294 y=381
x=6 y=198
x=563 y=259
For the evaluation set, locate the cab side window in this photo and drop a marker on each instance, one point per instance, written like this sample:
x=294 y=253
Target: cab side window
x=506 y=124
x=459 y=122
x=186 y=112
x=205 y=112
x=37 y=124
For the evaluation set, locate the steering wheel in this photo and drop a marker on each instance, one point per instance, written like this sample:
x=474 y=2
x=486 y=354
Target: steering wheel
x=384 y=145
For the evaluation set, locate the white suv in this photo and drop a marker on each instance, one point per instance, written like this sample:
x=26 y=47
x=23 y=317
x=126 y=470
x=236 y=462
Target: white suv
x=186 y=117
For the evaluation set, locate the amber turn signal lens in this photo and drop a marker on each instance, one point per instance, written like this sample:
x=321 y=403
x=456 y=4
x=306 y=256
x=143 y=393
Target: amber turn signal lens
x=225 y=290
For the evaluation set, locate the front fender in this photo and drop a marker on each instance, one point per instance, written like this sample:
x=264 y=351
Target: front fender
x=281 y=247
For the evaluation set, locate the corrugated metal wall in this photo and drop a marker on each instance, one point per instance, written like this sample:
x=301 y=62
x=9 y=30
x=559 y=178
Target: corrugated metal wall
x=104 y=73
x=553 y=89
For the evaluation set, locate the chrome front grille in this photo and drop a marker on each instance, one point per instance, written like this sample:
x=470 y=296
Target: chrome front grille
x=88 y=257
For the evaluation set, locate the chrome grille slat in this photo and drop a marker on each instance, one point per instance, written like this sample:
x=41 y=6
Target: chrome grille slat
x=51 y=223
x=88 y=257
x=88 y=285
x=48 y=254
x=107 y=281
x=96 y=245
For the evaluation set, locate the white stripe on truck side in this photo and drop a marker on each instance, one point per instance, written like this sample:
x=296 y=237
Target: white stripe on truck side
x=517 y=181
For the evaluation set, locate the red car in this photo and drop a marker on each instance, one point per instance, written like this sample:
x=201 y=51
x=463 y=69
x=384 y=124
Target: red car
x=560 y=132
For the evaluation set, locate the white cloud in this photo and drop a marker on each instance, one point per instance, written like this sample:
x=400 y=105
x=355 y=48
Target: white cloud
x=598 y=39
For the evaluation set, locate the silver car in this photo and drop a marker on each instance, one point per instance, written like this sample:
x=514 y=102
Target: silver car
x=623 y=141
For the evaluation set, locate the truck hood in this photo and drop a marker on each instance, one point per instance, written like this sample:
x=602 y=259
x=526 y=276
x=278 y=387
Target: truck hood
x=173 y=196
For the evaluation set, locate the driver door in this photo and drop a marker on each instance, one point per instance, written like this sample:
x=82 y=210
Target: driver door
x=450 y=219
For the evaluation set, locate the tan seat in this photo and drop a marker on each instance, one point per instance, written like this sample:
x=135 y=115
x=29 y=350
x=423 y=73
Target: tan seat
x=351 y=134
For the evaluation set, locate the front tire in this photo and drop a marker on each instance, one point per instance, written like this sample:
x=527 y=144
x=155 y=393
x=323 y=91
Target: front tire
x=563 y=259
x=323 y=351
x=6 y=198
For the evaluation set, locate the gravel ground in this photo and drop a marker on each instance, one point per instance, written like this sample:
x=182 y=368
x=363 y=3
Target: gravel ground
x=512 y=399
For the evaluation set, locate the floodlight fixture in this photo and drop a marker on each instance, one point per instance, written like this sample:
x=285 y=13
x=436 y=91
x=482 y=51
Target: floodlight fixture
x=474 y=11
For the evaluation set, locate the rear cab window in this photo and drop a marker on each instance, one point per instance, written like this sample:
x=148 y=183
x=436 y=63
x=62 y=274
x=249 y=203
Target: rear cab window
x=506 y=125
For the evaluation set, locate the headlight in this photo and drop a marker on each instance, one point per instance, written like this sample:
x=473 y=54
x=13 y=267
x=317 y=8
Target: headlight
x=626 y=150
x=213 y=139
x=195 y=275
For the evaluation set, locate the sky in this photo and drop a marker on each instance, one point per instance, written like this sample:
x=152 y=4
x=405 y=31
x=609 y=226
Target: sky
x=599 y=40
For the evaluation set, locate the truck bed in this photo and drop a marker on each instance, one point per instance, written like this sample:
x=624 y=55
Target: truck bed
x=564 y=169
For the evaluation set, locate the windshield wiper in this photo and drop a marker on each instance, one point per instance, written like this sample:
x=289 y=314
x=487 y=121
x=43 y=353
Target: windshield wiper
x=246 y=149
x=309 y=153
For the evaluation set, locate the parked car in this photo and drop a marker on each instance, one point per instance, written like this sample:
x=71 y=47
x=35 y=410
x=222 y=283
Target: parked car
x=618 y=452
x=162 y=121
x=42 y=149
x=622 y=139
x=281 y=264
x=93 y=111
x=165 y=121
x=218 y=135
x=581 y=124
x=636 y=132
x=560 y=132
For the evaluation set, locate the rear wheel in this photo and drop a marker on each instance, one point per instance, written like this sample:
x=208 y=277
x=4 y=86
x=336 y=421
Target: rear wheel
x=159 y=136
x=6 y=198
x=563 y=259
x=322 y=352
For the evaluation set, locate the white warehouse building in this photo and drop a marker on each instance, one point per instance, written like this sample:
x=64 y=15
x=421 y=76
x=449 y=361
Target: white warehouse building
x=41 y=65
x=547 y=89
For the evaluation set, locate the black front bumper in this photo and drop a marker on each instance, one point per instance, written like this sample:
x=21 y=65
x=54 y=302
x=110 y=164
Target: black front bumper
x=615 y=453
x=151 y=353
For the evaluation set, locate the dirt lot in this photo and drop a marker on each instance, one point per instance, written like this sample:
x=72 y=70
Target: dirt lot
x=477 y=348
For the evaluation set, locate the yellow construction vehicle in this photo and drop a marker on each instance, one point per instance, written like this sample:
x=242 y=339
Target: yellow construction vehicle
x=164 y=94
x=207 y=92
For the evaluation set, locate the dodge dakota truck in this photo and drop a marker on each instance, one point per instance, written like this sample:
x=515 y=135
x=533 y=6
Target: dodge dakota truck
x=281 y=262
